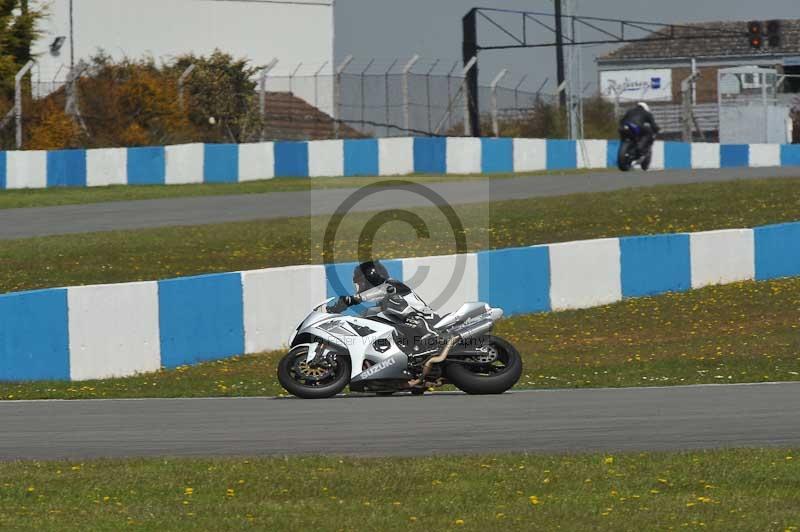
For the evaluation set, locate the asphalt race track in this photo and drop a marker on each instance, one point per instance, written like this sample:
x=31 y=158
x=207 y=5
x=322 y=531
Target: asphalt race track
x=631 y=419
x=42 y=221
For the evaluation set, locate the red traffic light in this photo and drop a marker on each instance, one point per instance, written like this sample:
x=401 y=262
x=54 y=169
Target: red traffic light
x=754 y=27
x=756 y=42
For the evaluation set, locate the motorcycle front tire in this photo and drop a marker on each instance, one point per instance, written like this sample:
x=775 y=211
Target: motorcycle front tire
x=645 y=162
x=623 y=160
x=312 y=392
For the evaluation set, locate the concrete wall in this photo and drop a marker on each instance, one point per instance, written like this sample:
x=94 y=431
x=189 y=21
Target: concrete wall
x=231 y=163
x=92 y=332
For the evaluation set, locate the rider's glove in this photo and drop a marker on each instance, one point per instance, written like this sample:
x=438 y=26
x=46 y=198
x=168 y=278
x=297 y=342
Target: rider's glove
x=343 y=303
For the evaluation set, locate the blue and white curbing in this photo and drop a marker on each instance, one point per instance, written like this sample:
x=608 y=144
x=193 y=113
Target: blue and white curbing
x=90 y=332
x=233 y=163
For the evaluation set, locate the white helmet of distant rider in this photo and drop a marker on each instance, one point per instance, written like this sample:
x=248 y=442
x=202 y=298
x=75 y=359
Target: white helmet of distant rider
x=644 y=106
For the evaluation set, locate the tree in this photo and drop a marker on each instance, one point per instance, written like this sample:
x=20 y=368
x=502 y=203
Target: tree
x=17 y=33
x=223 y=89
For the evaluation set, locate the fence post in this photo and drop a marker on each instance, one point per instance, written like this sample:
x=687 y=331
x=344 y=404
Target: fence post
x=262 y=95
x=292 y=75
x=406 y=103
x=18 y=99
x=181 y=82
x=363 y=90
x=449 y=94
x=428 y=91
x=687 y=116
x=337 y=94
x=72 y=106
x=316 y=84
x=495 y=81
x=386 y=94
x=516 y=93
x=465 y=90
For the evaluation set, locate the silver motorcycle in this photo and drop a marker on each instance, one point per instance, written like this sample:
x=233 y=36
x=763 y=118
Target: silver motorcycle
x=377 y=352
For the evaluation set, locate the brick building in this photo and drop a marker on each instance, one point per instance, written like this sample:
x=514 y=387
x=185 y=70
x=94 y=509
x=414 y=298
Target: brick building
x=661 y=65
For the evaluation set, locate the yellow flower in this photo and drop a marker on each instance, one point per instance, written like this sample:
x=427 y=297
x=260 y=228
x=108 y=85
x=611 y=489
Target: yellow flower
x=534 y=500
x=609 y=460
x=460 y=522
x=188 y=491
x=230 y=492
x=412 y=519
x=31 y=489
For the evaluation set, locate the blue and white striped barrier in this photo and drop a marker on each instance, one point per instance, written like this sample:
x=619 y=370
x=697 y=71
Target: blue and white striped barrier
x=89 y=332
x=232 y=163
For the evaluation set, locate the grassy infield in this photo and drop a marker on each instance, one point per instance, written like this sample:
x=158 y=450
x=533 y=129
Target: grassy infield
x=737 y=333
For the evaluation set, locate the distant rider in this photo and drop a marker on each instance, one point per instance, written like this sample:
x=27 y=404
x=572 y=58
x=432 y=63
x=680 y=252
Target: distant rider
x=373 y=284
x=641 y=121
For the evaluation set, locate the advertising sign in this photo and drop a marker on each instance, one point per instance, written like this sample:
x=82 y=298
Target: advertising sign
x=653 y=85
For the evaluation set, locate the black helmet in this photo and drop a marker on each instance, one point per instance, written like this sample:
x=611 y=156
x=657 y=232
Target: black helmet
x=369 y=274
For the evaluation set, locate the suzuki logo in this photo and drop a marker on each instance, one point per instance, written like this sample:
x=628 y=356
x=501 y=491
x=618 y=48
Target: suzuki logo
x=378 y=367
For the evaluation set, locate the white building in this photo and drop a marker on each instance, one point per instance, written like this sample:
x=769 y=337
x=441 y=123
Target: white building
x=296 y=32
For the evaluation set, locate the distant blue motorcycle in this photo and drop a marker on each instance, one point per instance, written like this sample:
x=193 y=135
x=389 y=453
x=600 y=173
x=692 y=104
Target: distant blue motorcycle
x=630 y=152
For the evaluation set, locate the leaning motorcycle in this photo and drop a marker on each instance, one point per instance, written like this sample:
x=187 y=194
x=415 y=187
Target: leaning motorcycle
x=375 y=353
x=628 y=153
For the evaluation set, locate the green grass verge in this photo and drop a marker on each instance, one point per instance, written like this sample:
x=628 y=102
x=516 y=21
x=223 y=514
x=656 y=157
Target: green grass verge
x=746 y=332
x=176 y=251
x=731 y=490
x=49 y=197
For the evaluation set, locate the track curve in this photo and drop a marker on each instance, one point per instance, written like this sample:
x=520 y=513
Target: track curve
x=628 y=419
x=124 y=215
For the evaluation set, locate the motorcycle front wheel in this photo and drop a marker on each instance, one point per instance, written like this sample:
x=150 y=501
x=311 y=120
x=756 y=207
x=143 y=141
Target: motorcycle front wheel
x=494 y=373
x=302 y=380
x=623 y=158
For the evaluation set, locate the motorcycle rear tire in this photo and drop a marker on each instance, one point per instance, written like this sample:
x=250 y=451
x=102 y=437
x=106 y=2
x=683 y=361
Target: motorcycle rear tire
x=475 y=384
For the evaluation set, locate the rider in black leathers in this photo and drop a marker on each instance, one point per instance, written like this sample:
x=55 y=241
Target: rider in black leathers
x=643 y=124
x=373 y=284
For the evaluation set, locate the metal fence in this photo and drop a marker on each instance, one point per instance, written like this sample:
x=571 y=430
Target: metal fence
x=399 y=98
x=372 y=98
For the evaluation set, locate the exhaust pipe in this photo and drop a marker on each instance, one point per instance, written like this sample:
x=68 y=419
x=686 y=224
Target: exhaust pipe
x=476 y=329
x=465 y=312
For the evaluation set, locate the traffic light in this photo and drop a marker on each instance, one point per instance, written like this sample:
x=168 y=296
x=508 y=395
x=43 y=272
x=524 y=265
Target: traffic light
x=754 y=29
x=774 y=33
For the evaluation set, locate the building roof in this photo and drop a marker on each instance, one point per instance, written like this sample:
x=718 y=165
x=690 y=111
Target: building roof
x=725 y=39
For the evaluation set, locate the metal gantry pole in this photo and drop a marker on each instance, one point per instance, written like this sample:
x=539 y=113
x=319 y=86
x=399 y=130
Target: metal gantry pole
x=562 y=97
x=406 y=100
x=337 y=94
x=495 y=121
x=18 y=99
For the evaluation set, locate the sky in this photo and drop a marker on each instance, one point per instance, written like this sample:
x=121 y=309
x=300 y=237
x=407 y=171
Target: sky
x=388 y=29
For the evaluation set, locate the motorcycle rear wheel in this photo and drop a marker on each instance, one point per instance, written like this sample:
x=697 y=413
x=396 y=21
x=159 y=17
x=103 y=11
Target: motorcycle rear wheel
x=486 y=380
x=298 y=380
